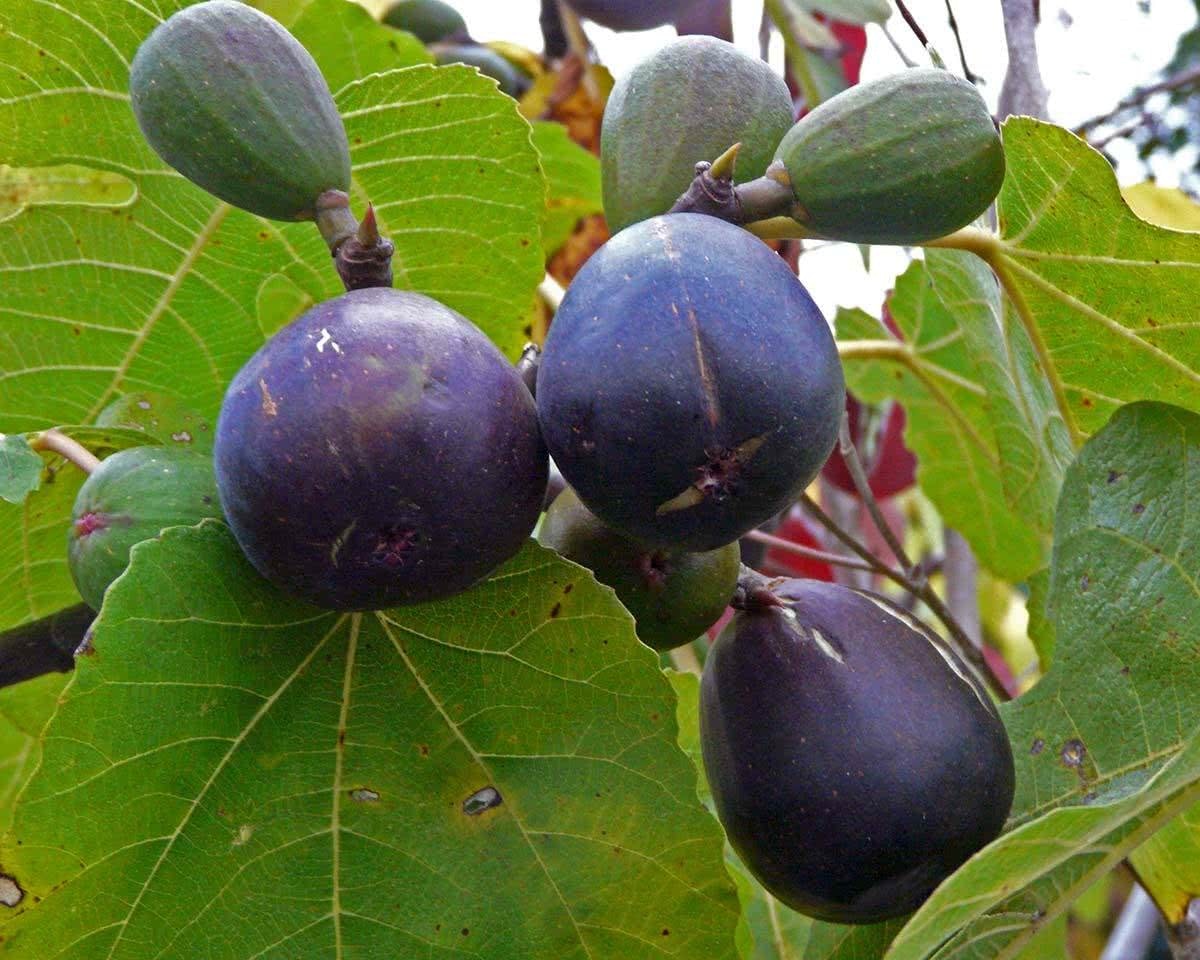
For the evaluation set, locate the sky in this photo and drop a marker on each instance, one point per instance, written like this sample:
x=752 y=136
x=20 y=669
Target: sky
x=1092 y=53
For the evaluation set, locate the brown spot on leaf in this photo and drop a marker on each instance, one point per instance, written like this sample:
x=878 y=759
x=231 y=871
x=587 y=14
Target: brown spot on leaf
x=1037 y=746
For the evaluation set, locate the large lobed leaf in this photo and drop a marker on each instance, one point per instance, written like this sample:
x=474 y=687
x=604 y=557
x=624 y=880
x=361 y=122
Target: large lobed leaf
x=947 y=388
x=164 y=294
x=1108 y=744
x=494 y=775
x=1112 y=296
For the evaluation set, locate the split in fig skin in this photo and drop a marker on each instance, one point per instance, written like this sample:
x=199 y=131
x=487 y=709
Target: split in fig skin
x=689 y=388
x=132 y=496
x=674 y=596
x=855 y=762
x=377 y=451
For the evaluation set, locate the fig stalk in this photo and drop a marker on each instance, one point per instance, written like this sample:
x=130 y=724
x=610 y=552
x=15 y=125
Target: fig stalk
x=361 y=256
x=55 y=441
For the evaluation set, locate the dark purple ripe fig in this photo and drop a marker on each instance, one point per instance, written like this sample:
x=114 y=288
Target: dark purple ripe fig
x=854 y=760
x=131 y=497
x=674 y=596
x=379 y=450
x=232 y=101
x=631 y=14
x=689 y=388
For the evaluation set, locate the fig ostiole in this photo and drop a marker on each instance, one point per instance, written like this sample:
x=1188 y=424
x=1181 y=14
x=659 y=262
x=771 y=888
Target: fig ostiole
x=689 y=388
x=130 y=497
x=854 y=760
x=673 y=595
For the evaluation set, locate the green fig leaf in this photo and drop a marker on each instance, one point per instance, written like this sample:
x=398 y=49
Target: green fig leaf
x=20 y=468
x=22 y=187
x=25 y=708
x=949 y=426
x=494 y=774
x=1110 y=295
x=1107 y=745
x=572 y=181
x=1168 y=865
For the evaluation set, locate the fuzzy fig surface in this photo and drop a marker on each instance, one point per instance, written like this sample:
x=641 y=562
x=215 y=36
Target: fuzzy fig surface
x=854 y=761
x=231 y=100
x=132 y=496
x=378 y=451
x=673 y=595
x=689 y=388
x=690 y=100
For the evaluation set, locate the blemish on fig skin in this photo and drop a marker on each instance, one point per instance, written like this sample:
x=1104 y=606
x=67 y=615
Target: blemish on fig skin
x=481 y=800
x=269 y=407
x=394 y=544
x=1037 y=746
x=1139 y=508
x=11 y=893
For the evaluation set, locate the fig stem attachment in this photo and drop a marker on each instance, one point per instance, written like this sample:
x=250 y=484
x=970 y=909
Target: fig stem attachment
x=527 y=366
x=754 y=591
x=361 y=256
x=54 y=441
x=919 y=588
x=712 y=191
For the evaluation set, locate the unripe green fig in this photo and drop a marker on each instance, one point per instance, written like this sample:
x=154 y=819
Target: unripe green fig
x=379 y=450
x=131 y=497
x=674 y=596
x=690 y=101
x=231 y=100
x=487 y=61
x=900 y=160
x=854 y=760
x=428 y=20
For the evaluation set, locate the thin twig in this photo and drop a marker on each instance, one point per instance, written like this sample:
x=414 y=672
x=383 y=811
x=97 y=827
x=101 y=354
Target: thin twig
x=905 y=58
x=919 y=588
x=912 y=24
x=779 y=543
x=962 y=54
x=56 y=442
x=863 y=487
x=1140 y=95
x=578 y=44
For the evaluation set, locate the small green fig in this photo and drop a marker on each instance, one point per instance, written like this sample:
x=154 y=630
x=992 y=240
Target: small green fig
x=231 y=100
x=690 y=101
x=674 y=596
x=900 y=160
x=129 y=498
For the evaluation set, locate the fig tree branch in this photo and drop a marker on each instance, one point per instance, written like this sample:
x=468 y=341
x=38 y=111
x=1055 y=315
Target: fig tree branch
x=1023 y=91
x=809 y=553
x=1178 y=81
x=43 y=646
x=919 y=588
